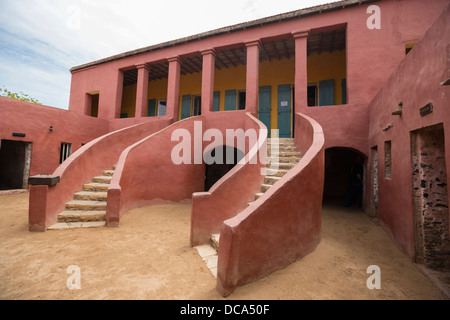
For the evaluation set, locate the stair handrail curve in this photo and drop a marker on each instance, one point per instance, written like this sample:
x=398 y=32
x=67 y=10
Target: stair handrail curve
x=148 y=164
x=232 y=193
x=88 y=161
x=283 y=225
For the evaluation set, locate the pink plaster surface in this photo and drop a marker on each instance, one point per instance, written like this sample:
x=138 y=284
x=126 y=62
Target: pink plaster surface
x=146 y=174
x=283 y=225
x=232 y=193
x=372 y=55
x=415 y=83
x=89 y=161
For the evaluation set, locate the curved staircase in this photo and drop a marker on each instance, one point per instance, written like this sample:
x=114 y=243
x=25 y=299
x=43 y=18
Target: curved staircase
x=88 y=207
x=283 y=158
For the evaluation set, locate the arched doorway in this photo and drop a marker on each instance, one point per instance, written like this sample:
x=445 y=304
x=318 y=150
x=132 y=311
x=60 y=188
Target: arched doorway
x=219 y=161
x=342 y=167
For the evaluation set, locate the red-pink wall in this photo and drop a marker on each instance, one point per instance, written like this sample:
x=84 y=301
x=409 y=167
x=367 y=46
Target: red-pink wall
x=146 y=174
x=372 y=55
x=415 y=83
x=90 y=160
x=35 y=120
x=232 y=193
x=283 y=225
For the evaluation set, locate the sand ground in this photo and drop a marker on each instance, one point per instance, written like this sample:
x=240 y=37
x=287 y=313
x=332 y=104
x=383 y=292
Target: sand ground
x=149 y=257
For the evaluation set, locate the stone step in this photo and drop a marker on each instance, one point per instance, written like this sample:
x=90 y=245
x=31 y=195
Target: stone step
x=94 y=186
x=283 y=154
x=81 y=216
x=108 y=173
x=91 y=195
x=214 y=241
x=209 y=256
x=276 y=173
x=292 y=159
x=271 y=180
x=86 y=205
x=280 y=140
x=288 y=144
x=281 y=148
x=258 y=195
x=102 y=179
x=281 y=165
x=74 y=225
x=265 y=187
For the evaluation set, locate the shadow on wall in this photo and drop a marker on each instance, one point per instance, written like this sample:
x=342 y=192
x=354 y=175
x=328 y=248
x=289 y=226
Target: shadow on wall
x=341 y=169
x=222 y=159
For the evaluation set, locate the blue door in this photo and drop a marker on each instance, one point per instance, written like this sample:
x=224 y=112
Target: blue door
x=344 y=91
x=185 y=107
x=216 y=101
x=151 y=108
x=326 y=92
x=284 y=111
x=230 y=100
x=264 y=107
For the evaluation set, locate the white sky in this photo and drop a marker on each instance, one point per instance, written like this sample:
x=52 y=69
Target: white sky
x=40 y=40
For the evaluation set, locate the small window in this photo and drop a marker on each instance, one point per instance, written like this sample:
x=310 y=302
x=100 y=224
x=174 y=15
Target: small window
x=241 y=100
x=312 y=95
x=387 y=160
x=196 y=105
x=92 y=100
x=162 y=107
x=409 y=46
x=65 y=152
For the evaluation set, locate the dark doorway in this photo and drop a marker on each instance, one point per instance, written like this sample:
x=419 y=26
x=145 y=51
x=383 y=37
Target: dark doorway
x=223 y=159
x=430 y=198
x=339 y=163
x=14 y=164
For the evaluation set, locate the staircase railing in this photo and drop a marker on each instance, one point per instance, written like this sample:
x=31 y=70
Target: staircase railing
x=146 y=173
x=49 y=195
x=283 y=225
x=233 y=192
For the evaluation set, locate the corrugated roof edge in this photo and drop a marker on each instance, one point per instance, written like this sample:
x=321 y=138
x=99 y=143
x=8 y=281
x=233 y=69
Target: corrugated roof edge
x=233 y=28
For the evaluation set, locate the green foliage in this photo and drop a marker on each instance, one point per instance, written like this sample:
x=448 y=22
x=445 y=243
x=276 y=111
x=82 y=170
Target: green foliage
x=18 y=96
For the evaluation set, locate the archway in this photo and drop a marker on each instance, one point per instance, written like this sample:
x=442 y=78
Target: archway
x=219 y=161
x=339 y=165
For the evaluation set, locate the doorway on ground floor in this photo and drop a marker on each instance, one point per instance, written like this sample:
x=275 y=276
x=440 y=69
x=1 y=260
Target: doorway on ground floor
x=219 y=161
x=430 y=198
x=344 y=168
x=15 y=160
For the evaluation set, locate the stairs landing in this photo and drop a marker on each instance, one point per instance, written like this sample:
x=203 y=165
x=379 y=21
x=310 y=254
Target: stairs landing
x=278 y=165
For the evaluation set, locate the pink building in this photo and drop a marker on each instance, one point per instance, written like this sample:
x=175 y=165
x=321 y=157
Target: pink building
x=350 y=79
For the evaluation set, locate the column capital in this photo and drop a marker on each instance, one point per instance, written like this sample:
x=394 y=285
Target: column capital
x=253 y=43
x=143 y=66
x=173 y=59
x=208 y=51
x=300 y=34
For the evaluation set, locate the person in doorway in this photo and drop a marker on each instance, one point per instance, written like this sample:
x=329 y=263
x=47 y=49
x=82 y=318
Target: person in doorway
x=356 y=184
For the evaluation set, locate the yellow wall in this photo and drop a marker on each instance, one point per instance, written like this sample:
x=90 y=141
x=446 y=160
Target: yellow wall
x=328 y=66
x=190 y=84
x=129 y=100
x=229 y=79
x=274 y=73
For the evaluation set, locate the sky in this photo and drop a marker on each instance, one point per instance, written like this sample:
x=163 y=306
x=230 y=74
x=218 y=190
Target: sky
x=41 y=40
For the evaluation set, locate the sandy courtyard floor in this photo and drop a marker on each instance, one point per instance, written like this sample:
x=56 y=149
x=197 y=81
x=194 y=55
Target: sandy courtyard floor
x=149 y=257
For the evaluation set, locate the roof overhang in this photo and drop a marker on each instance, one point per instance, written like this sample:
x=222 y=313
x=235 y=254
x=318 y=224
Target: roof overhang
x=339 y=5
